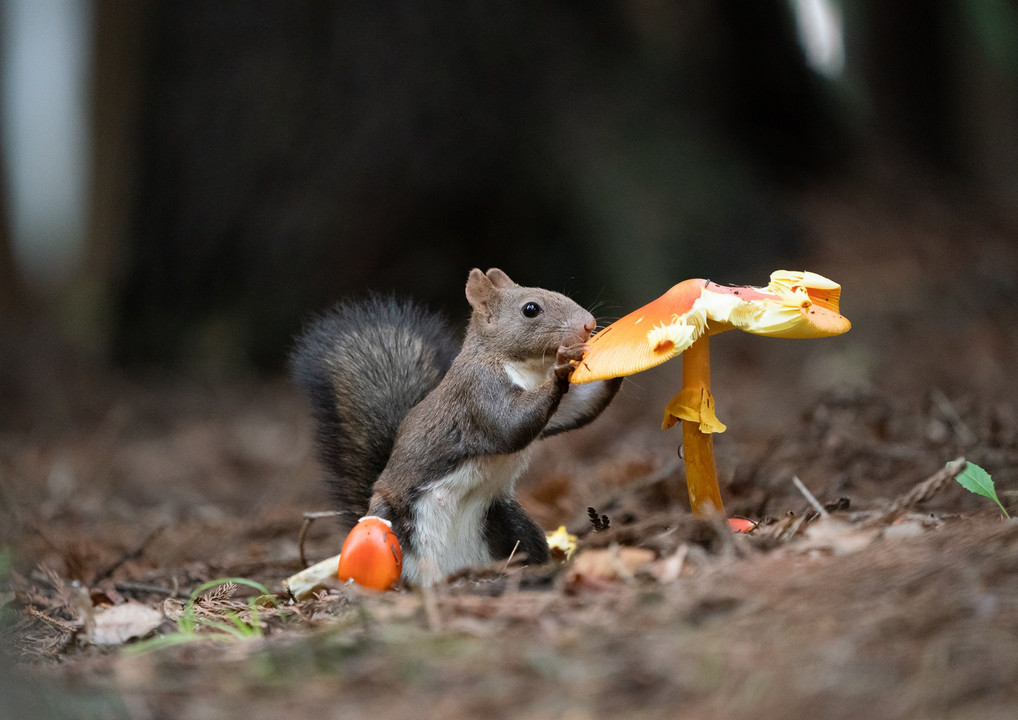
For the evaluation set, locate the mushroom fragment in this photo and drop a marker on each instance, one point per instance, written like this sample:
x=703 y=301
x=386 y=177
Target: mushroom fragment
x=793 y=305
x=561 y=543
x=371 y=555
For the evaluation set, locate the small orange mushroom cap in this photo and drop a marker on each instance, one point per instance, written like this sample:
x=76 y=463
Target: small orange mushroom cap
x=371 y=555
x=795 y=304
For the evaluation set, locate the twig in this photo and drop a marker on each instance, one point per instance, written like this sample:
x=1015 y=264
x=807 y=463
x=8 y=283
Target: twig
x=310 y=517
x=131 y=555
x=68 y=626
x=821 y=511
x=793 y=529
x=510 y=558
x=134 y=587
x=923 y=491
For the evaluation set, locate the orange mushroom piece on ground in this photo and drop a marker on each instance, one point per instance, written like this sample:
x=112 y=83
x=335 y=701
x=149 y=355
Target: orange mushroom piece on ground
x=793 y=305
x=371 y=555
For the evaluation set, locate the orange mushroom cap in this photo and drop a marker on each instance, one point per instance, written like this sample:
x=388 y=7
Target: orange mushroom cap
x=793 y=305
x=371 y=555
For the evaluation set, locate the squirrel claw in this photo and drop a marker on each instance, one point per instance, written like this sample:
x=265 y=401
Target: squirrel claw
x=571 y=353
x=564 y=370
x=567 y=359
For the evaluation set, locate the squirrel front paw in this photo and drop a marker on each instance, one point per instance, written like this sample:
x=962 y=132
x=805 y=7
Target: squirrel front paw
x=567 y=359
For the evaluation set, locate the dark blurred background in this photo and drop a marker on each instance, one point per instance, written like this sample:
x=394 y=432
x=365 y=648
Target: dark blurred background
x=184 y=182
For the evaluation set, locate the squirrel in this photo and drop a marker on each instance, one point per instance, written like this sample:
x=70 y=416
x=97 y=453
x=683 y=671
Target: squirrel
x=432 y=436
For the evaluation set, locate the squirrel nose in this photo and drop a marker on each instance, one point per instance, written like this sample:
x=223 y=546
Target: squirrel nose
x=590 y=326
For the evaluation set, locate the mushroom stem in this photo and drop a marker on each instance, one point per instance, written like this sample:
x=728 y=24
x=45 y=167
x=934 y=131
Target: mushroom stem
x=701 y=474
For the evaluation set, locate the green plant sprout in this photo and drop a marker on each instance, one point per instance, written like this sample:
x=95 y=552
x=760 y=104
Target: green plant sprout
x=233 y=628
x=976 y=480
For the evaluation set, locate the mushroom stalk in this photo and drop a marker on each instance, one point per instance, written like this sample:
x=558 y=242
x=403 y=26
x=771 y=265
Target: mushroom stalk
x=698 y=446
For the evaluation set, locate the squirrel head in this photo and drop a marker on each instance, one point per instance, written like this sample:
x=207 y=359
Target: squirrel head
x=523 y=322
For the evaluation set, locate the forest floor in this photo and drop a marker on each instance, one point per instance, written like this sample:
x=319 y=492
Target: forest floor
x=899 y=601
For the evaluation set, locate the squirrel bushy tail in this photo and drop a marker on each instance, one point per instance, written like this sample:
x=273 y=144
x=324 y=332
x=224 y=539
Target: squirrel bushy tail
x=362 y=366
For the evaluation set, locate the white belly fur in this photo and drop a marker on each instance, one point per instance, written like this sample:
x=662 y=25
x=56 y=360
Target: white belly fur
x=529 y=374
x=450 y=517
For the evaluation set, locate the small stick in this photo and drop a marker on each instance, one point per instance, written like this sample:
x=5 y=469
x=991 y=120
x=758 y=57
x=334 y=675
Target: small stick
x=924 y=490
x=792 y=529
x=134 y=587
x=130 y=555
x=310 y=517
x=64 y=625
x=809 y=496
x=510 y=558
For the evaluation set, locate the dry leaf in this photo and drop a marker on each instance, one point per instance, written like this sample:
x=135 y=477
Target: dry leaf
x=836 y=537
x=120 y=623
x=908 y=528
x=611 y=563
x=668 y=569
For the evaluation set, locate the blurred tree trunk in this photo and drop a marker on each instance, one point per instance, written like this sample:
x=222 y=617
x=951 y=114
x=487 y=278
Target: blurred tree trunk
x=11 y=292
x=941 y=78
x=909 y=72
x=988 y=99
x=119 y=39
x=772 y=101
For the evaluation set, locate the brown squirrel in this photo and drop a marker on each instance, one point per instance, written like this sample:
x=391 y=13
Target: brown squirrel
x=432 y=437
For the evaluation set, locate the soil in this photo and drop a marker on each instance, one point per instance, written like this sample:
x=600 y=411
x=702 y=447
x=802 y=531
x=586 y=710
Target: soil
x=899 y=600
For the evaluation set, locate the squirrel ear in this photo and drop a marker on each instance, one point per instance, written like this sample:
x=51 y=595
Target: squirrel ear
x=480 y=291
x=499 y=279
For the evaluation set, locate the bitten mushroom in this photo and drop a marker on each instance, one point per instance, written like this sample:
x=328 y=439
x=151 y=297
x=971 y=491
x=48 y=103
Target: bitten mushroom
x=371 y=555
x=793 y=305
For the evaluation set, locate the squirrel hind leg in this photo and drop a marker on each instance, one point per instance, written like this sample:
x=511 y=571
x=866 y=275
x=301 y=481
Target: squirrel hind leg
x=509 y=528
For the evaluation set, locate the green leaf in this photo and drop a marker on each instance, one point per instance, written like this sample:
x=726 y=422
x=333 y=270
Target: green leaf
x=976 y=480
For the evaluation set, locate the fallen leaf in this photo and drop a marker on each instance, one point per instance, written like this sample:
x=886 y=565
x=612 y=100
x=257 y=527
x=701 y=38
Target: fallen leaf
x=668 y=569
x=613 y=563
x=976 y=480
x=904 y=529
x=120 y=623
x=836 y=537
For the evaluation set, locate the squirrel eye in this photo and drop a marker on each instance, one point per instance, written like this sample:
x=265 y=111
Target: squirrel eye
x=531 y=310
